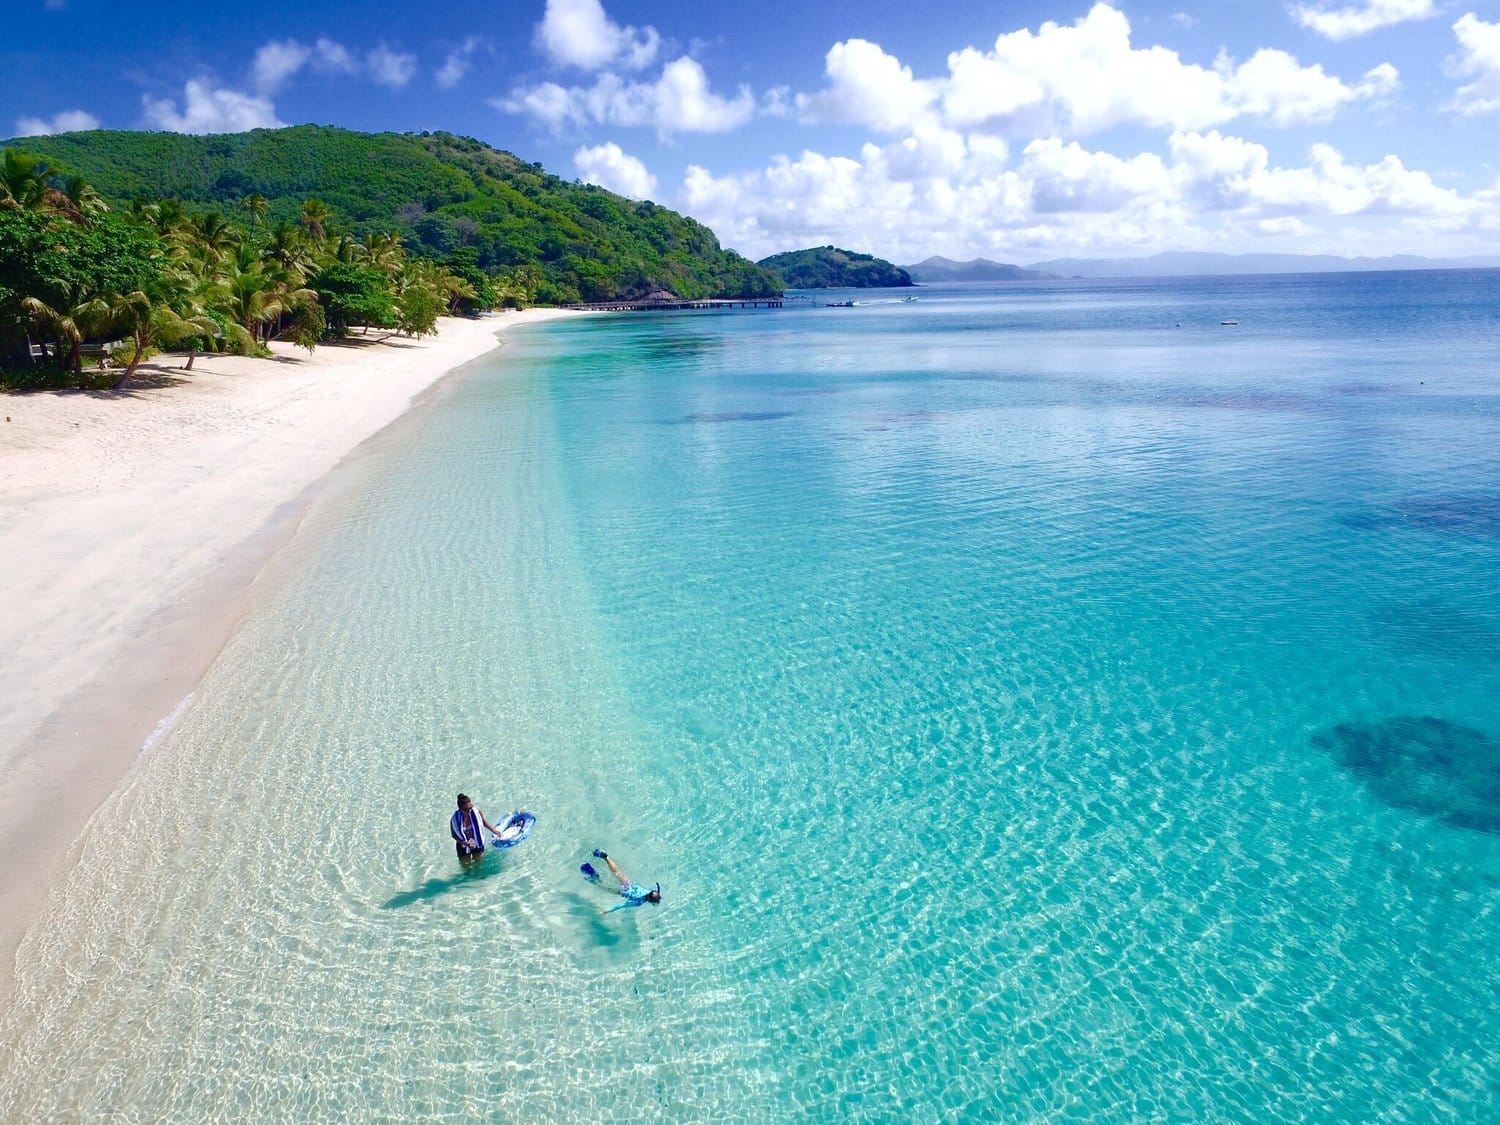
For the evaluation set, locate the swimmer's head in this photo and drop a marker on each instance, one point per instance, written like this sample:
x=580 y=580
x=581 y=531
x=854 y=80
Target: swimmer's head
x=464 y=802
x=654 y=896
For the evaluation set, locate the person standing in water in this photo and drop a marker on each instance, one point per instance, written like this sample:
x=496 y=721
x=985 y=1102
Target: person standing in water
x=464 y=827
x=632 y=892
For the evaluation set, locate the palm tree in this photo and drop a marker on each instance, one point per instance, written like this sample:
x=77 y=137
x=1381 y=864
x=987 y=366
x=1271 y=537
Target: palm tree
x=119 y=314
x=214 y=234
x=384 y=251
x=288 y=248
x=315 y=216
x=255 y=206
x=59 y=325
x=24 y=180
x=258 y=293
x=79 y=198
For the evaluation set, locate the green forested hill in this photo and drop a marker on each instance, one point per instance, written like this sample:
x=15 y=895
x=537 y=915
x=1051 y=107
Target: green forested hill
x=827 y=267
x=441 y=192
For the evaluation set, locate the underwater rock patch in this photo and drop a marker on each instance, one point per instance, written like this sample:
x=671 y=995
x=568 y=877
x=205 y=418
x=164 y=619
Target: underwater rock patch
x=729 y=416
x=1429 y=765
x=1477 y=517
x=1473 y=517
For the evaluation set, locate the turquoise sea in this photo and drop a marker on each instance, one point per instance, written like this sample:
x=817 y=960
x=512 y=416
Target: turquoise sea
x=1037 y=702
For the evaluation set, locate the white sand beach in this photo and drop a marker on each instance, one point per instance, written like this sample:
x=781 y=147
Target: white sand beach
x=132 y=527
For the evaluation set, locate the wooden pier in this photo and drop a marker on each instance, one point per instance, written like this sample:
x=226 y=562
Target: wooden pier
x=657 y=304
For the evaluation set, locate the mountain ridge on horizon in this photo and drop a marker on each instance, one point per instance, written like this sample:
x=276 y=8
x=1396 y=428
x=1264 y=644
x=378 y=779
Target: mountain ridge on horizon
x=1183 y=263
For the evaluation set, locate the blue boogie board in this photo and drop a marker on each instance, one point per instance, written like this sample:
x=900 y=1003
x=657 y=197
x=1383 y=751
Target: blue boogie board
x=514 y=830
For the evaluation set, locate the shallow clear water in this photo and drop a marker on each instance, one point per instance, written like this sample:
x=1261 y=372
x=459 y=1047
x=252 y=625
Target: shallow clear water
x=1036 y=701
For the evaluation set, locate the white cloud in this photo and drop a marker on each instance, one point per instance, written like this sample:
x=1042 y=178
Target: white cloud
x=277 y=62
x=68 y=121
x=680 y=101
x=579 y=33
x=209 y=110
x=611 y=167
x=1288 y=226
x=1227 y=173
x=868 y=87
x=1352 y=20
x=456 y=65
x=1081 y=78
x=1274 y=85
x=333 y=58
x=1066 y=177
x=1479 y=43
x=945 y=193
x=390 y=68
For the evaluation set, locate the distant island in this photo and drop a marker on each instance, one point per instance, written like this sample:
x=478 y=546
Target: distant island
x=1182 y=263
x=980 y=269
x=828 y=267
x=1203 y=264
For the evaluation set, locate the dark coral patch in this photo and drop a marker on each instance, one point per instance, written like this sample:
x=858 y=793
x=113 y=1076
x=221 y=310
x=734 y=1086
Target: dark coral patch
x=1477 y=517
x=1473 y=517
x=728 y=416
x=1429 y=765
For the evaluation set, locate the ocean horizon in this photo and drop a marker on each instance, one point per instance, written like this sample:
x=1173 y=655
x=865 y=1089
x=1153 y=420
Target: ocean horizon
x=1035 y=700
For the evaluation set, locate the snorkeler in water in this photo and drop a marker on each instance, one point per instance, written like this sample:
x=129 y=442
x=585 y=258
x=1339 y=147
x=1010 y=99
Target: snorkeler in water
x=632 y=892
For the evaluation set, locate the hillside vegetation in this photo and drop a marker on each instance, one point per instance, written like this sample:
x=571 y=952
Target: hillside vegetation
x=827 y=267
x=83 y=284
x=440 y=193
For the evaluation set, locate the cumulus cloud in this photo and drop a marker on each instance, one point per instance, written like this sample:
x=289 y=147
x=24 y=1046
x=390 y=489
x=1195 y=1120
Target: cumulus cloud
x=276 y=62
x=1228 y=173
x=1068 y=178
x=579 y=33
x=456 y=65
x=680 y=101
x=917 y=196
x=1081 y=78
x=207 y=109
x=868 y=87
x=68 y=121
x=611 y=167
x=1360 y=19
x=390 y=68
x=1274 y=85
x=1479 y=59
x=279 y=61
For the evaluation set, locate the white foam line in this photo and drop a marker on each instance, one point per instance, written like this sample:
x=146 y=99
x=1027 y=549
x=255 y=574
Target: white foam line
x=168 y=722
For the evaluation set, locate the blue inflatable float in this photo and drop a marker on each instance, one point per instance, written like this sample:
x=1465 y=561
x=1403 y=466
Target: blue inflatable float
x=514 y=830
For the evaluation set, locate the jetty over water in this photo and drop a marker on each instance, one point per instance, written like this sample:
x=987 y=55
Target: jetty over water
x=662 y=304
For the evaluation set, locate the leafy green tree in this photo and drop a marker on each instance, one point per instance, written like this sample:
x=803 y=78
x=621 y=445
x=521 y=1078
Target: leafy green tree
x=464 y=265
x=354 y=296
x=62 y=265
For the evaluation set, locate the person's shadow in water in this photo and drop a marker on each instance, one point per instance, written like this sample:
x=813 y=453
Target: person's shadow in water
x=437 y=888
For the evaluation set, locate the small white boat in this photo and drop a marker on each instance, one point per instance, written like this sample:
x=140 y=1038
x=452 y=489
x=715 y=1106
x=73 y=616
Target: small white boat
x=1228 y=322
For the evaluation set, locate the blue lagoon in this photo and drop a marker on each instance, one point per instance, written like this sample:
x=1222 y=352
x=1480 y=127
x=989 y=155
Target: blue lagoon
x=1035 y=700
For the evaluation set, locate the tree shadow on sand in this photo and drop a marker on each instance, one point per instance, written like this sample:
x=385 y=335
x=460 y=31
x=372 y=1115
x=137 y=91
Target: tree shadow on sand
x=1431 y=766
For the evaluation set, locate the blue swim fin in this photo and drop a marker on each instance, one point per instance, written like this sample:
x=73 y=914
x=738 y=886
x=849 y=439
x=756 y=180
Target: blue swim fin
x=589 y=873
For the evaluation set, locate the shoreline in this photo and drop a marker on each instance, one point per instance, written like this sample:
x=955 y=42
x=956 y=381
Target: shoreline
x=135 y=526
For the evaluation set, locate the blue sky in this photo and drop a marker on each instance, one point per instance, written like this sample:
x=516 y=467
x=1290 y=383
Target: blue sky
x=1014 y=131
